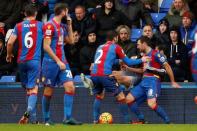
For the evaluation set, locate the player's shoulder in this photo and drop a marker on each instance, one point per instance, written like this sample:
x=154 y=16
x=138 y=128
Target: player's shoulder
x=49 y=25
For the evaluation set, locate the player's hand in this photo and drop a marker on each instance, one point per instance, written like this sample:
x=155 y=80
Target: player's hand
x=146 y=59
x=124 y=67
x=9 y=58
x=69 y=20
x=61 y=65
x=175 y=85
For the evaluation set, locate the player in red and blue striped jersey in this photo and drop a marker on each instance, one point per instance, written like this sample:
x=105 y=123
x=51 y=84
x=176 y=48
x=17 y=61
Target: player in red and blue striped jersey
x=29 y=36
x=55 y=68
x=150 y=85
x=194 y=59
x=107 y=55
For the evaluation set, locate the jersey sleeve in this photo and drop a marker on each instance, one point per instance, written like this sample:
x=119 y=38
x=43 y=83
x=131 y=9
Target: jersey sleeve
x=120 y=53
x=160 y=58
x=48 y=30
x=15 y=31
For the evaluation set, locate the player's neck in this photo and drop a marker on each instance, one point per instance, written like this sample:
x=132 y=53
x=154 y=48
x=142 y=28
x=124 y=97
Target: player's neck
x=30 y=18
x=148 y=49
x=57 y=19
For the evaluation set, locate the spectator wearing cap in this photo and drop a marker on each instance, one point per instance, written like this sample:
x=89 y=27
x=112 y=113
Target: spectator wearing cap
x=177 y=55
x=134 y=10
x=5 y=68
x=83 y=22
x=162 y=33
x=87 y=53
x=108 y=18
x=188 y=29
x=175 y=13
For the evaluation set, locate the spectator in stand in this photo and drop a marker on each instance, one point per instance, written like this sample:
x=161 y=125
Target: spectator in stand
x=162 y=33
x=92 y=3
x=10 y=12
x=148 y=31
x=87 y=53
x=5 y=68
x=192 y=5
x=177 y=55
x=42 y=8
x=83 y=22
x=151 y=5
x=124 y=41
x=188 y=29
x=175 y=13
x=72 y=54
x=108 y=18
x=134 y=10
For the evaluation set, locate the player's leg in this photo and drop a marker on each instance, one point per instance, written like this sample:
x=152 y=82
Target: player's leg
x=32 y=75
x=66 y=78
x=49 y=77
x=153 y=91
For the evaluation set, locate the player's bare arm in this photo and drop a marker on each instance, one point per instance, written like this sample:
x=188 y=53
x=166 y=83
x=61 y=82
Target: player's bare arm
x=171 y=75
x=47 y=48
x=10 y=45
x=69 y=39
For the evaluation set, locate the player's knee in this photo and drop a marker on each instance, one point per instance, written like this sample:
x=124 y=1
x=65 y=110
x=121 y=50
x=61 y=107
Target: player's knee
x=48 y=91
x=129 y=98
x=100 y=96
x=152 y=104
x=33 y=90
x=69 y=87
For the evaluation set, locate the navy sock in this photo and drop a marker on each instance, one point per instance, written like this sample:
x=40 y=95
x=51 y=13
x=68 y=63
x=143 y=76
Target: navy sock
x=124 y=111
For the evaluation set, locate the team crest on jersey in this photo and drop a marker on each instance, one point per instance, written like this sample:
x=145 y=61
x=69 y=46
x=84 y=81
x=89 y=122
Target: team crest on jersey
x=49 y=27
x=48 y=32
x=162 y=59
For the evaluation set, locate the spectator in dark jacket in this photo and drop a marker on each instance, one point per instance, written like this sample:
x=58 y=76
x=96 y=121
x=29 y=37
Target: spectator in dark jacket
x=151 y=5
x=83 y=22
x=134 y=10
x=124 y=41
x=87 y=53
x=10 y=12
x=162 y=33
x=177 y=55
x=5 y=68
x=108 y=18
x=42 y=8
x=72 y=54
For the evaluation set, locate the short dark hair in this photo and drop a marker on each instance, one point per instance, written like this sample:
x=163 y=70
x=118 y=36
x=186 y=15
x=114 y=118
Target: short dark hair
x=80 y=6
x=59 y=7
x=111 y=35
x=30 y=10
x=146 y=40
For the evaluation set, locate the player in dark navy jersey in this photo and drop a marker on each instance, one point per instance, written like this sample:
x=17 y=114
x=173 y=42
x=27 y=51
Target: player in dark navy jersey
x=29 y=36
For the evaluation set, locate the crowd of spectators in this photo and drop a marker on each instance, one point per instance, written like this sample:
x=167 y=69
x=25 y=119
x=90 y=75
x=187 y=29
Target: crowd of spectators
x=92 y=19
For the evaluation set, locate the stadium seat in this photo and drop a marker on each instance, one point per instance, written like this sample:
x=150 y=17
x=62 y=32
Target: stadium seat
x=157 y=17
x=165 y=5
x=8 y=79
x=135 y=34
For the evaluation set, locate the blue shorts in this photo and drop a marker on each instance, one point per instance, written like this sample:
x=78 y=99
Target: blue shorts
x=29 y=73
x=52 y=75
x=106 y=83
x=149 y=87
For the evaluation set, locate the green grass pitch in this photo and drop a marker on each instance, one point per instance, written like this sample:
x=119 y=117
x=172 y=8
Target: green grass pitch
x=100 y=127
